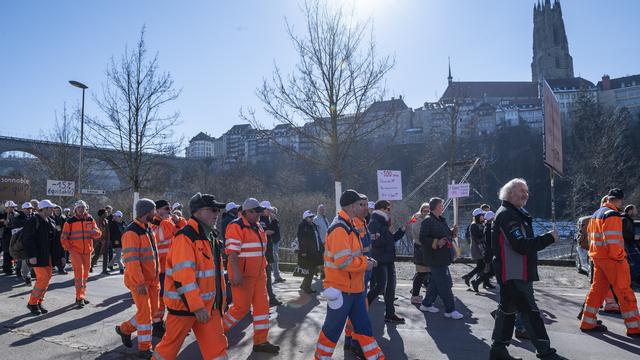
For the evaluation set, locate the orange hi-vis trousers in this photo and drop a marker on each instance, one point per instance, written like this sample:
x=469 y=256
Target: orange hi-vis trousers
x=43 y=276
x=146 y=306
x=81 y=264
x=615 y=274
x=210 y=337
x=252 y=295
x=610 y=303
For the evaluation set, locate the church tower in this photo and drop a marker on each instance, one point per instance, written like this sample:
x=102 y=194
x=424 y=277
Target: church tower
x=551 y=58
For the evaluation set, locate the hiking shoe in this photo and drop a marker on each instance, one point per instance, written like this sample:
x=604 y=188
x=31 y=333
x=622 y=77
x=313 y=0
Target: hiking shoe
x=35 y=310
x=279 y=280
x=488 y=286
x=467 y=280
x=416 y=299
x=274 y=302
x=126 y=338
x=597 y=328
x=501 y=354
x=79 y=304
x=158 y=329
x=455 y=315
x=145 y=354
x=85 y=301
x=552 y=356
x=42 y=309
x=266 y=347
x=393 y=319
x=27 y=280
x=431 y=309
x=633 y=335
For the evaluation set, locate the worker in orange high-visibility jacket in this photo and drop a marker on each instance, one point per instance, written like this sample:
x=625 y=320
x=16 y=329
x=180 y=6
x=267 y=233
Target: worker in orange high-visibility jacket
x=606 y=249
x=246 y=243
x=164 y=230
x=345 y=266
x=194 y=292
x=176 y=215
x=140 y=255
x=77 y=237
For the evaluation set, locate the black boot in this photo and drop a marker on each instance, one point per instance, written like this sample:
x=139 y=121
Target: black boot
x=35 y=310
x=266 y=347
x=467 y=279
x=145 y=354
x=501 y=354
x=42 y=309
x=126 y=338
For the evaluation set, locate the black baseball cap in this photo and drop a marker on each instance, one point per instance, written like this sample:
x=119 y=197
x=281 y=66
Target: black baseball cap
x=350 y=196
x=199 y=201
x=615 y=194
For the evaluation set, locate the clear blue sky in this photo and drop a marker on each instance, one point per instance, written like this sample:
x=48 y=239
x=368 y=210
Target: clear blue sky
x=219 y=51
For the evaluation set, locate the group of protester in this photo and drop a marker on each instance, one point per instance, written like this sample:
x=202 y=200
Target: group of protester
x=205 y=274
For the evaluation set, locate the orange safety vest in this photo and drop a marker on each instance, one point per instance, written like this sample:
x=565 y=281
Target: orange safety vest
x=250 y=243
x=182 y=222
x=78 y=234
x=193 y=273
x=344 y=262
x=605 y=234
x=140 y=254
x=164 y=231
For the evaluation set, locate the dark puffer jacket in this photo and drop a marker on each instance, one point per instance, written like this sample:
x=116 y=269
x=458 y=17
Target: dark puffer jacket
x=41 y=241
x=383 y=248
x=433 y=228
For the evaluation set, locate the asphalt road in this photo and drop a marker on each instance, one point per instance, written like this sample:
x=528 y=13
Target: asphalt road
x=67 y=333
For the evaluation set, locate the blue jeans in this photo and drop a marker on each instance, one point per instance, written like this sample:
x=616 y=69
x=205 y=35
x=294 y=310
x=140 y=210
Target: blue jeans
x=385 y=275
x=440 y=285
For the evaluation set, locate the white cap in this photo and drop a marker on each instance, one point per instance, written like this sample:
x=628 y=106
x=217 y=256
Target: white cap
x=266 y=204
x=477 y=212
x=230 y=206
x=371 y=204
x=118 y=213
x=175 y=206
x=489 y=215
x=27 y=205
x=45 y=204
x=66 y=209
x=10 y=204
x=307 y=213
x=334 y=297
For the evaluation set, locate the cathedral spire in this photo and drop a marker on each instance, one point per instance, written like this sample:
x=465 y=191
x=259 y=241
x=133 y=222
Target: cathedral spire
x=450 y=78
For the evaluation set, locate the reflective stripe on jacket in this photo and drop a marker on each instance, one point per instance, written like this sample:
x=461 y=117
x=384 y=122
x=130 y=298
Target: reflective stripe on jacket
x=250 y=243
x=605 y=234
x=191 y=272
x=344 y=262
x=78 y=234
x=140 y=256
x=164 y=231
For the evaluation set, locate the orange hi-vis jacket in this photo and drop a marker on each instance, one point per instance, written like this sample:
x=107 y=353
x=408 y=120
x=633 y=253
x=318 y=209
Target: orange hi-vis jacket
x=182 y=222
x=164 y=231
x=78 y=234
x=194 y=272
x=605 y=234
x=140 y=254
x=344 y=262
x=250 y=243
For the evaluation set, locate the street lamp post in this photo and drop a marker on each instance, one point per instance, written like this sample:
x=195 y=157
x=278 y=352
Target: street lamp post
x=83 y=87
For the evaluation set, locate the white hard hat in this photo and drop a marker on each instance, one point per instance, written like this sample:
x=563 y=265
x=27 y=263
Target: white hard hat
x=371 y=205
x=489 y=215
x=334 y=297
x=118 y=213
x=176 y=206
x=307 y=214
x=10 y=204
x=477 y=212
x=80 y=203
x=45 y=204
x=266 y=204
x=230 y=206
x=27 y=205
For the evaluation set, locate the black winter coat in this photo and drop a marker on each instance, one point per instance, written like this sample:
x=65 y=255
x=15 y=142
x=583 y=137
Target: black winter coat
x=115 y=233
x=383 y=249
x=311 y=250
x=512 y=235
x=436 y=228
x=41 y=241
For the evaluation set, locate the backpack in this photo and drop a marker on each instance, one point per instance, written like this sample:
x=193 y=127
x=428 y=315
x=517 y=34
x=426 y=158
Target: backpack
x=16 y=244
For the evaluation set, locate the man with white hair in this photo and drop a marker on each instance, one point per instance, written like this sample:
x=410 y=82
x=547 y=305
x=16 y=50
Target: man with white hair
x=516 y=264
x=77 y=238
x=321 y=222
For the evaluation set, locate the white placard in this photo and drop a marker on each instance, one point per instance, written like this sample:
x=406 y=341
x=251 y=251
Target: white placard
x=389 y=185
x=458 y=190
x=60 y=188
x=92 y=192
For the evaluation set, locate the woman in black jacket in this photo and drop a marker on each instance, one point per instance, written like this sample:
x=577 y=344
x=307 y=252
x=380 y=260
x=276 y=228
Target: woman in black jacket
x=383 y=250
x=311 y=250
x=116 y=229
x=43 y=247
x=478 y=247
x=436 y=238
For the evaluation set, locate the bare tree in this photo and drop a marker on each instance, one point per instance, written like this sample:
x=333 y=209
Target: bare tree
x=324 y=100
x=135 y=125
x=62 y=161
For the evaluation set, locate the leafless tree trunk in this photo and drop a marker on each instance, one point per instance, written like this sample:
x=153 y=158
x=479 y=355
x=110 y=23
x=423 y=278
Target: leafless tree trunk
x=135 y=125
x=323 y=101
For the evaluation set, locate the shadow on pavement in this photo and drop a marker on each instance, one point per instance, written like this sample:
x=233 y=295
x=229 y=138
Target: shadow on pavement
x=619 y=341
x=30 y=319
